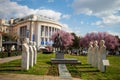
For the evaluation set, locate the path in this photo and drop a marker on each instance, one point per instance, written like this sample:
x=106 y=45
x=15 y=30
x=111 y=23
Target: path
x=9 y=76
x=8 y=59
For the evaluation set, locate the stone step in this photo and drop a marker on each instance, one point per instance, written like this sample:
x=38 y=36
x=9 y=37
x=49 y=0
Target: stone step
x=65 y=61
x=86 y=70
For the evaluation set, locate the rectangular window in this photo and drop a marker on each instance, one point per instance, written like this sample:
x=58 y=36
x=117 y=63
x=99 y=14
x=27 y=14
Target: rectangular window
x=49 y=31
x=42 y=30
x=46 y=31
x=23 y=31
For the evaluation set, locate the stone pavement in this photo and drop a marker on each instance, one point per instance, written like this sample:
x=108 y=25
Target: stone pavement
x=5 y=76
x=10 y=76
x=8 y=59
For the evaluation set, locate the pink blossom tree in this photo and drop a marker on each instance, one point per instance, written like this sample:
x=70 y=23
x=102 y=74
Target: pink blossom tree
x=111 y=41
x=67 y=38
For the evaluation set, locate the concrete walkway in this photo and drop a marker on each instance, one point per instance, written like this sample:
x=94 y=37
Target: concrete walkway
x=6 y=76
x=8 y=59
x=10 y=76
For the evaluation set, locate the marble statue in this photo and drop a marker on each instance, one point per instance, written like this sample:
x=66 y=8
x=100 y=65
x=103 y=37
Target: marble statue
x=102 y=56
x=25 y=54
x=95 y=54
x=35 y=53
x=90 y=50
x=31 y=54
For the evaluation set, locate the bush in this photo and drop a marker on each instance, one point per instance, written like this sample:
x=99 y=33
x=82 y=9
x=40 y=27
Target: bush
x=13 y=53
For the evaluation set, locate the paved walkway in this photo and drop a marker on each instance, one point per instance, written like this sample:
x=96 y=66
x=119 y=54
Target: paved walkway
x=10 y=76
x=6 y=76
x=8 y=59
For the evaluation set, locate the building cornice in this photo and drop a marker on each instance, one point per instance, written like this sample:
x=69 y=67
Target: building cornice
x=44 y=21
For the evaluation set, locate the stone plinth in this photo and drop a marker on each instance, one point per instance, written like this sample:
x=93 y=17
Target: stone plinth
x=65 y=61
x=102 y=56
x=31 y=56
x=35 y=53
x=59 y=55
x=25 y=55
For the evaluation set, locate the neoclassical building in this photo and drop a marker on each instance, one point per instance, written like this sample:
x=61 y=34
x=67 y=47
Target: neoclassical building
x=4 y=26
x=37 y=28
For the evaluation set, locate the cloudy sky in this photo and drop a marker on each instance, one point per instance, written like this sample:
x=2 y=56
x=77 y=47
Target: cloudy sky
x=78 y=16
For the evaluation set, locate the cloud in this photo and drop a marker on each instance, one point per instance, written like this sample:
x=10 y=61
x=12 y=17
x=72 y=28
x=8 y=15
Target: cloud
x=104 y=9
x=49 y=13
x=114 y=33
x=66 y=16
x=10 y=9
x=65 y=27
x=108 y=21
x=75 y=30
x=95 y=6
x=16 y=11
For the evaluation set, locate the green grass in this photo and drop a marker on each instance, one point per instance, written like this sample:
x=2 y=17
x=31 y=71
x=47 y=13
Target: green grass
x=84 y=71
x=41 y=68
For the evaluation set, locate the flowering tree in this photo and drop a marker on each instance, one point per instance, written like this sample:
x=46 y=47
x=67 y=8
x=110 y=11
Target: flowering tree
x=111 y=41
x=67 y=38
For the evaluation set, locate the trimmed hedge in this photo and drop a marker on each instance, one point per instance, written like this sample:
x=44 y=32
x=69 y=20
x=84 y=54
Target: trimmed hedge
x=13 y=53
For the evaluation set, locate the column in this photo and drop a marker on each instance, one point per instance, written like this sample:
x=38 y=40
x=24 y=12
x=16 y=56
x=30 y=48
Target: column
x=38 y=35
x=48 y=33
x=31 y=31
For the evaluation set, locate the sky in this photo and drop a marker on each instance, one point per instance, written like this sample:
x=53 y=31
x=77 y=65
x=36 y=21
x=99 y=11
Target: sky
x=78 y=16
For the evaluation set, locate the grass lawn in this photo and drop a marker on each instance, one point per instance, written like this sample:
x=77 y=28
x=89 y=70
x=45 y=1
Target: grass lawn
x=84 y=71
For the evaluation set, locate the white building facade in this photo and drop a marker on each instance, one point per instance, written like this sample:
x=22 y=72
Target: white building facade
x=36 y=28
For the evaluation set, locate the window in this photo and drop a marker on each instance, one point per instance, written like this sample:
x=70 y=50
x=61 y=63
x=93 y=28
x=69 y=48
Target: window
x=23 y=31
x=42 y=30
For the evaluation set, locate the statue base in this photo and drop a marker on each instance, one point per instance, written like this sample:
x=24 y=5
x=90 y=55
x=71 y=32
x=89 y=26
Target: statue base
x=65 y=61
x=59 y=55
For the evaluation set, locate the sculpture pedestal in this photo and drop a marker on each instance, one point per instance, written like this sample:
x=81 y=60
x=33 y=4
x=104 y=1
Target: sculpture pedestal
x=59 y=55
x=59 y=59
x=65 y=61
x=31 y=56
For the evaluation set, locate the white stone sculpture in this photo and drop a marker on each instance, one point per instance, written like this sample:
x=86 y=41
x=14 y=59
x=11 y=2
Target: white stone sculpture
x=13 y=48
x=35 y=53
x=25 y=54
x=31 y=54
x=90 y=50
x=95 y=54
x=102 y=56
